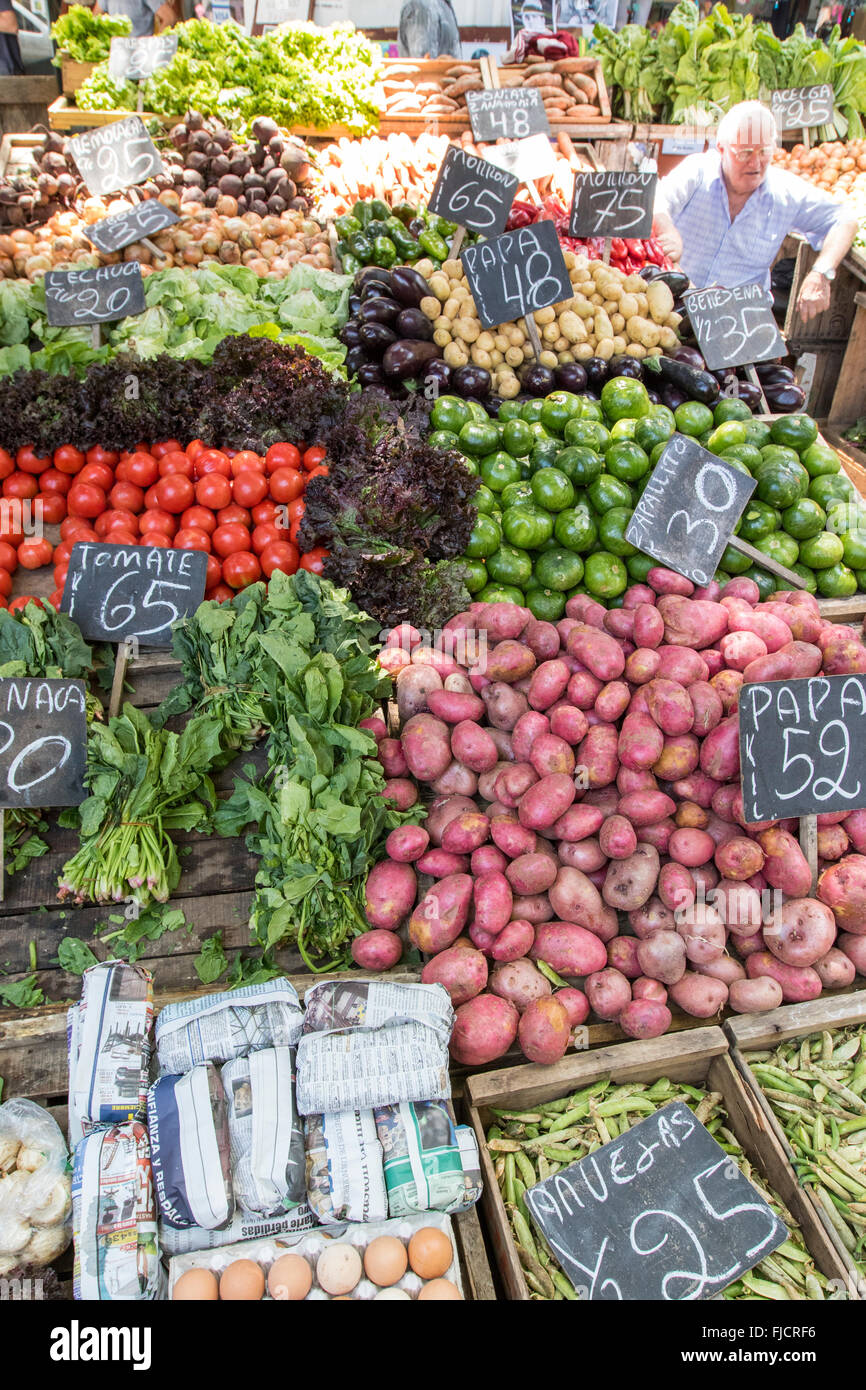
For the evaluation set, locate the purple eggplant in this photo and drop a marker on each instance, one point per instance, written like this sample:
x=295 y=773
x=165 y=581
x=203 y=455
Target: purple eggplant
x=537 y=380
x=773 y=374
x=695 y=385
x=356 y=358
x=408 y=286
x=376 y=337
x=378 y=309
x=783 y=398
x=370 y=374
x=622 y=364
x=370 y=274
x=690 y=356
x=471 y=381
x=411 y=323
x=673 y=397
x=570 y=376
x=654 y=398
x=350 y=333
x=438 y=370
x=596 y=372
x=408 y=357
x=750 y=394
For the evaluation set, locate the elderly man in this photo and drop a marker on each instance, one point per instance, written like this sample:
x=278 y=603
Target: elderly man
x=725 y=214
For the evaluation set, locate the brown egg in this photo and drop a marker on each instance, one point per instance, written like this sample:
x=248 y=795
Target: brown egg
x=440 y=1289
x=196 y=1285
x=338 y=1269
x=290 y=1278
x=242 y=1281
x=385 y=1261
x=430 y=1252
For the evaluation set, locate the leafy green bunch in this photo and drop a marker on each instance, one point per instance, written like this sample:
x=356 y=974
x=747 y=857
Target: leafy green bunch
x=86 y=37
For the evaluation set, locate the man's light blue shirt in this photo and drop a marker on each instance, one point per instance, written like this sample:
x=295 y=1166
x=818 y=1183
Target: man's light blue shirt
x=717 y=251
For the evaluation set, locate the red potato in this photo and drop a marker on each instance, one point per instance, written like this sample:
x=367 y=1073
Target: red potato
x=392 y=759
x=487 y=782
x=612 y=701
x=800 y=932
x=645 y=1018
x=500 y=620
x=583 y=689
x=394 y=660
x=456 y=780
x=630 y=779
x=542 y=638
x=629 y=883
x=377 y=950
x=585 y=610
x=773 y=632
x=699 y=995
x=744 y=589
x=855 y=829
x=549 y=683
x=619 y=622
x=531 y=874
x=575 y=1003
x=785 y=865
x=550 y=754
x=527 y=729
x=713 y=660
x=484 y=1028
x=513 y=941
x=693 y=623
x=644 y=988
x=842 y=656
x=426 y=747
x=375 y=726
x=681 y=665
x=439 y=863
x=617 y=839
x=402 y=791
x=574 y=899
x=739 y=858
x=679 y=757
x=443 y=810
x=458 y=684
x=658 y=835
x=746 y=945
x=642 y=665
x=636 y=594
x=662 y=957
x=509 y=662
x=487 y=859
x=720 y=751
x=414 y=685
x=669 y=706
x=727 y=686
x=690 y=816
x=664 y=581
x=502 y=742
x=653 y=916
x=723 y=968
x=757 y=996
x=835 y=969
x=482 y=940
x=854 y=947
x=640 y=742
x=547 y=800
x=389 y=894
x=568 y=949
x=504 y=705
x=533 y=907
x=696 y=787
x=407 y=843
x=741 y=648
x=585 y=855
x=805 y=626
x=703 y=932
x=806 y=658
x=604 y=799
x=843 y=888
x=775 y=666
x=544 y=1031
x=691 y=847
x=622 y=956
x=512 y=838
x=707 y=708
x=436 y=659
x=466 y=832
x=473 y=746
x=492 y=899
x=454 y=707
x=600 y=653
x=441 y=915
x=649 y=626
x=799 y=983
x=461 y=969
x=608 y=992
x=514 y=782
x=676 y=887
x=723 y=801
x=598 y=754
x=568 y=722
x=520 y=982
x=739 y=906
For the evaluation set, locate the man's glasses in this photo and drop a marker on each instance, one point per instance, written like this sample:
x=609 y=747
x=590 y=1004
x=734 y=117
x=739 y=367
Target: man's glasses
x=743 y=154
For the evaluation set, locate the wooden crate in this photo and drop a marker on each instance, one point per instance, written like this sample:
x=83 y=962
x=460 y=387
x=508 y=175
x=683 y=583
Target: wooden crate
x=759 y=1032
x=828 y=334
x=697 y=1057
x=16 y=154
x=25 y=102
x=72 y=75
x=63 y=114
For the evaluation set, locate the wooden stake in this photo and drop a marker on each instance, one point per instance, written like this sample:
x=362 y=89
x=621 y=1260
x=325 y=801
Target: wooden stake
x=806 y=138
x=532 y=332
x=139 y=101
x=121 y=661
x=457 y=242
x=96 y=335
x=759 y=558
x=606 y=255
x=809 y=846
x=2 y=856
x=752 y=374
x=152 y=246
x=534 y=195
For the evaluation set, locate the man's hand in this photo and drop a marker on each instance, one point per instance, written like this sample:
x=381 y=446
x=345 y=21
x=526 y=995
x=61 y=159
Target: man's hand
x=814 y=296
x=667 y=236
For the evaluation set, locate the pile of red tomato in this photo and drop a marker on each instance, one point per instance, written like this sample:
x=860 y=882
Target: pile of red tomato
x=242 y=509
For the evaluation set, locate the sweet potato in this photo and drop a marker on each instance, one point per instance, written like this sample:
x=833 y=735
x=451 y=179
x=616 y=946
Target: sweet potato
x=645 y=988
x=407 y=843
x=455 y=708
x=531 y=874
x=843 y=888
x=547 y=800
x=568 y=722
x=679 y=757
x=568 y=949
x=549 y=682
x=426 y=746
x=586 y=855
x=544 y=1031
x=629 y=883
x=461 y=969
x=835 y=969
x=466 y=832
x=542 y=638
x=616 y=838
x=391 y=757
x=720 y=751
x=377 y=950
x=622 y=956
x=640 y=742
x=756 y=996
x=799 y=983
x=645 y=1018
x=439 y=863
x=600 y=653
x=504 y=705
x=800 y=932
x=485 y=1027
x=414 y=685
x=575 y=1003
x=456 y=780
x=699 y=995
x=389 y=894
x=642 y=665
x=441 y=915
x=598 y=754
x=519 y=981
x=691 y=847
x=608 y=992
x=785 y=865
x=662 y=957
x=693 y=623
x=550 y=754
x=514 y=941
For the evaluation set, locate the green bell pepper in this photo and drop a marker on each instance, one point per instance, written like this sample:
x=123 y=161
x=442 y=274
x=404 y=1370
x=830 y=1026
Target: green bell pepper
x=347 y=226
x=380 y=210
x=405 y=243
x=361 y=245
x=384 y=252
x=362 y=213
x=405 y=211
x=433 y=244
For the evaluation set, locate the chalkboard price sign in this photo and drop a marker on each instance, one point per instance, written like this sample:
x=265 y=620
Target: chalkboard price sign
x=612 y=204
x=43 y=742
x=134 y=60
x=734 y=327
x=661 y=1213
x=96 y=294
x=472 y=192
x=115 y=156
x=507 y=113
x=803 y=746
x=123 y=228
x=799 y=108
x=517 y=273
x=687 y=512
x=122 y=592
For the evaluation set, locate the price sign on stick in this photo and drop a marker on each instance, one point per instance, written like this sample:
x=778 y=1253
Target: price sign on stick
x=516 y=273
x=800 y=108
x=472 y=192
x=611 y=204
x=123 y=228
x=506 y=113
x=734 y=327
x=119 y=592
x=43 y=738
x=529 y=160
x=115 y=156
x=661 y=1213
x=134 y=60
x=96 y=294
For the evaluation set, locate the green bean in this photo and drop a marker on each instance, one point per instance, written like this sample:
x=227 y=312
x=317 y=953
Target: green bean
x=510 y=1197
x=526 y=1117
x=525 y=1169
x=524 y=1235
x=564 y=1287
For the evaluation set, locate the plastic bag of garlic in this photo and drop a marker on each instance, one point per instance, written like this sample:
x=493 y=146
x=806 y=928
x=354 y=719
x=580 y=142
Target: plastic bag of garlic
x=35 y=1202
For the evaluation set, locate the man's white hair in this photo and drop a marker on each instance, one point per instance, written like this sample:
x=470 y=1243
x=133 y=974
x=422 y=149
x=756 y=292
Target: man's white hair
x=748 y=123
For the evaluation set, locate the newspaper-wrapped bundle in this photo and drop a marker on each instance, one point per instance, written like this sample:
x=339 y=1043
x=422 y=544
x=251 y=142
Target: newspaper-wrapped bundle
x=368 y=1043
x=345 y=1177
x=243 y=1226
x=108 y=1037
x=267 y=1143
x=218 y=1027
x=114 y=1216
x=189 y=1140
x=430 y=1164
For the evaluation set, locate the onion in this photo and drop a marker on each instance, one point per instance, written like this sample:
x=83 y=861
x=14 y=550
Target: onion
x=230 y=253
x=226 y=206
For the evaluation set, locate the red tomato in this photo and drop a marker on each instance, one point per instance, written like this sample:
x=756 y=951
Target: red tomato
x=70 y=460
x=150 y=498
x=204 y=466
x=202 y=518
x=189 y=538
x=118 y=535
x=127 y=497
x=5 y=583
x=103 y=523
x=75 y=528
x=314 y=560
x=294 y=530
x=296 y=509
x=244 y=460
x=211 y=456
x=213 y=491
x=141 y=469
x=127 y=520
x=227 y=540
x=33 y=553
x=20 y=485
x=264 y=536
x=30 y=462
x=195 y=447
x=167 y=446
x=282 y=456
x=233 y=515
x=7 y=464
x=175 y=462
x=314 y=456
x=54 y=599
x=52 y=480
x=287 y=484
x=158 y=538
x=250 y=488
x=62 y=552
x=320 y=471
x=85 y=499
x=52 y=507
x=241 y=568
x=157 y=520
x=8 y=557
x=60 y=573
x=214 y=572
x=265 y=514
x=220 y=593
x=175 y=493
x=95 y=455
x=279 y=556
x=22 y=601
x=99 y=474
